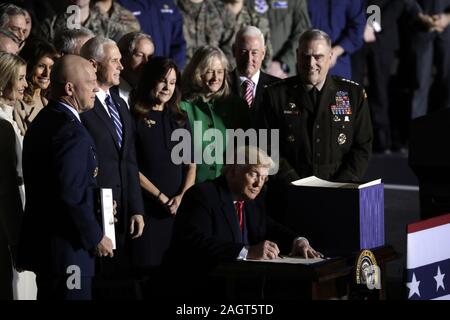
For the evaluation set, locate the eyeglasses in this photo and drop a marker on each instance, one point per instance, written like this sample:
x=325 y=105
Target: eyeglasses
x=256 y=176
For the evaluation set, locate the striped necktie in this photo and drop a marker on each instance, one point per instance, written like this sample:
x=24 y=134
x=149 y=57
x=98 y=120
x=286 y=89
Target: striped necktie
x=115 y=118
x=248 y=91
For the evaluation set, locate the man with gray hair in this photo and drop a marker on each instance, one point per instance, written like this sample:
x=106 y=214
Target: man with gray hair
x=8 y=42
x=224 y=220
x=136 y=49
x=70 y=41
x=324 y=121
x=13 y=19
x=111 y=126
x=247 y=80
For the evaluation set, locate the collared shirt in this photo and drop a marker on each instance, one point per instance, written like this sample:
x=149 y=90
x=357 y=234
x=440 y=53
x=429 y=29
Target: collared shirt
x=101 y=95
x=124 y=91
x=254 y=79
x=71 y=109
x=319 y=87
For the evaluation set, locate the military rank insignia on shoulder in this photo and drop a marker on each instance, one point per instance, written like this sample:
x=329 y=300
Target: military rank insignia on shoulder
x=275 y=83
x=350 y=81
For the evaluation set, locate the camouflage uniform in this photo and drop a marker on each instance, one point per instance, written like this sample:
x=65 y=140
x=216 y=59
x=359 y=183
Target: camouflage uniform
x=288 y=19
x=123 y=16
x=99 y=23
x=203 y=25
x=247 y=17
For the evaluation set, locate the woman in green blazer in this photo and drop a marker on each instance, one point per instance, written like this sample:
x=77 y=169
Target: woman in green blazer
x=211 y=109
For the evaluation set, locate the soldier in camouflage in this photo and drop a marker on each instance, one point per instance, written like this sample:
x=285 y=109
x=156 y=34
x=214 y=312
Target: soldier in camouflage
x=90 y=18
x=203 y=25
x=288 y=19
x=236 y=15
x=119 y=14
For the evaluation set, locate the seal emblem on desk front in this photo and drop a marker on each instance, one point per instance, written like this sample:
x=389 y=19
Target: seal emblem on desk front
x=367 y=271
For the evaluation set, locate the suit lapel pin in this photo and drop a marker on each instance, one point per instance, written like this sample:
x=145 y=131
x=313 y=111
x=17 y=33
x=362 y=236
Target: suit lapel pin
x=149 y=122
x=342 y=138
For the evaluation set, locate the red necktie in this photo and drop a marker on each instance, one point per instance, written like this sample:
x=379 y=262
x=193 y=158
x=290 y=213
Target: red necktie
x=239 y=209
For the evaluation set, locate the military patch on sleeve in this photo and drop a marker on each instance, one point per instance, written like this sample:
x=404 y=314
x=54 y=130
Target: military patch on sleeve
x=261 y=6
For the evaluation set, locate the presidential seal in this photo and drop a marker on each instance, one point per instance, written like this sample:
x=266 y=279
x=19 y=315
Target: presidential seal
x=367 y=271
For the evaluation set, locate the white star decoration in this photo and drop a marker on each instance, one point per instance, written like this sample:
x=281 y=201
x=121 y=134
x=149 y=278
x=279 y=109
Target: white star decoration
x=413 y=286
x=439 y=279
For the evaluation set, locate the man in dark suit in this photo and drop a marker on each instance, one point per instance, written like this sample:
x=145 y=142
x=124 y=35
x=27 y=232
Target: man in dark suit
x=60 y=232
x=247 y=80
x=324 y=122
x=110 y=124
x=222 y=220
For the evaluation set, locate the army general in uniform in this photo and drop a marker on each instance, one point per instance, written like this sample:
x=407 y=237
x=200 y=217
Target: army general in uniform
x=324 y=121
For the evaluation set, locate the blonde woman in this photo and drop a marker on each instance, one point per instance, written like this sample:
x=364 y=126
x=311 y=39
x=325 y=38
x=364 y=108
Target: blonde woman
x=209 y=105
x=12 y=87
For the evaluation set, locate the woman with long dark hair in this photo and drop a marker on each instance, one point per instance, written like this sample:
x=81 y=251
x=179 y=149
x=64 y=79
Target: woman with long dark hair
x=155 y=105
x=40 y=56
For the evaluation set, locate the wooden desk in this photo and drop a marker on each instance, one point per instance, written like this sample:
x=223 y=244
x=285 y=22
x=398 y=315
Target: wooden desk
x=332 y=278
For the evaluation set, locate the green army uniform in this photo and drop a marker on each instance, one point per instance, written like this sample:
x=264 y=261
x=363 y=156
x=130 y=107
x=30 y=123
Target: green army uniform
x=202 y=25
x=332 y=141
x=123 y=16
x=287 y=19
x=97 y=22
x=221 y=114
x=246 y=17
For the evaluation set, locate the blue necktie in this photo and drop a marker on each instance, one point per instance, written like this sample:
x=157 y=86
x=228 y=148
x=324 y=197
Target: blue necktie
x=115 y=118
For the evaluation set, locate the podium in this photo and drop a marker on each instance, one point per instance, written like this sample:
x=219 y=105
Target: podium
x=337 y=218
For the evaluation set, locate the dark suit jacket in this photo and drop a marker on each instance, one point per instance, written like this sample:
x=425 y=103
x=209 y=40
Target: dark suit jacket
x=60 y=227
x=206 y=230
x=321 y=141
x=264 y=80
x=117 y=166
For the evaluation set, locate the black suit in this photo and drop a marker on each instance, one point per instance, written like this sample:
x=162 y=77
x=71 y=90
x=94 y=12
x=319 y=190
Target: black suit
x=118 y=171
x=264 y=80
x=207 y=232
x=117 y=166
x=60 y=227
x=10 y=207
